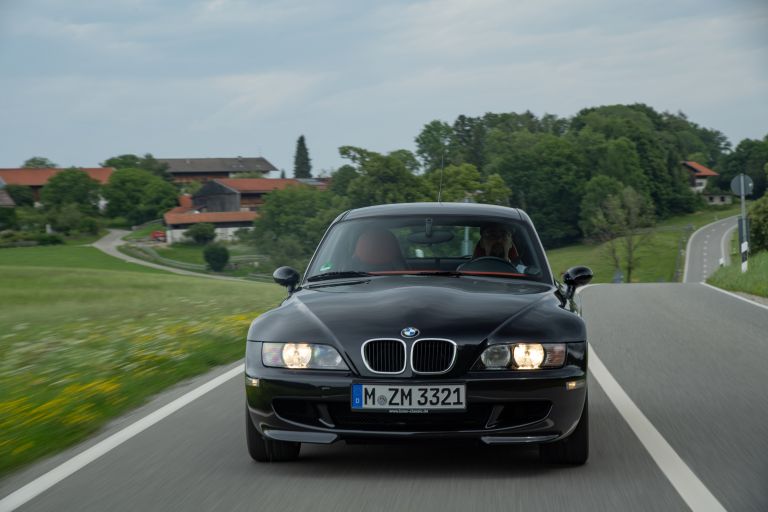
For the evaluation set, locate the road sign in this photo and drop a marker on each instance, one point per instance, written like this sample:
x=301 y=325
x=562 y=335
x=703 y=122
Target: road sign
x=749 y=185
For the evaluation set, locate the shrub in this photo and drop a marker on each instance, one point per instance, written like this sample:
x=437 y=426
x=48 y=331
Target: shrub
x=7 y=218
x=202 y=233
x=217 y=257
x=758 y=225
x=49 y=239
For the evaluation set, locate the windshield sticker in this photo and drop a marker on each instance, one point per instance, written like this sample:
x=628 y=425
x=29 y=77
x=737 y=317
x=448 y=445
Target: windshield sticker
x=327 y=266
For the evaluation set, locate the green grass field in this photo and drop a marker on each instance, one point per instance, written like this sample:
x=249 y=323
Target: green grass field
x=656 y=258
x=84 y=337
x=145 y=231
x=754 y=280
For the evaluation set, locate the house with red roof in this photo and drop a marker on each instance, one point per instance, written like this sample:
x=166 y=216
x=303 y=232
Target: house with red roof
x=36 y=179
x=186 y=170
x=229 y=204
x=698 y=175
x=233 y=194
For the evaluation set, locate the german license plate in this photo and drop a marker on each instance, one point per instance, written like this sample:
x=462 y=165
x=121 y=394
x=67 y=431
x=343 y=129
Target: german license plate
x=409 y=398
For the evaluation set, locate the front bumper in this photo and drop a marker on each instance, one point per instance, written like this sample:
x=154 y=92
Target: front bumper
x=502 y=407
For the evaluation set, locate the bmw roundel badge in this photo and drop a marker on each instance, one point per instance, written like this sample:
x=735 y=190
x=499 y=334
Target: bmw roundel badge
x=410 y=332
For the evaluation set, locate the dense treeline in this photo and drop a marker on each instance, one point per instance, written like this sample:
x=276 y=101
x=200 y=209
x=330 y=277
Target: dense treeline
x=564 y=172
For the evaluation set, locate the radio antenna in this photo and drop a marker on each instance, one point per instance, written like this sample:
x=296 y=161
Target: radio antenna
x=442 y=164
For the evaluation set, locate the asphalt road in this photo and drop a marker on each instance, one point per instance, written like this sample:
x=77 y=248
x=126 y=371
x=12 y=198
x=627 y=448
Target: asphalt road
x=110 y=242
x=705 y=248
x=691 y=358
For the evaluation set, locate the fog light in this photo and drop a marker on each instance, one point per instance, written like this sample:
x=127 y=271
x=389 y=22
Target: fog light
x=574 y=384
x=528 y=356
x=496 y=357
x=297 y=355
x=250 y=381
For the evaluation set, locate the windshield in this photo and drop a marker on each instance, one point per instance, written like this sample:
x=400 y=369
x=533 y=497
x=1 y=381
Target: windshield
x=430 y=245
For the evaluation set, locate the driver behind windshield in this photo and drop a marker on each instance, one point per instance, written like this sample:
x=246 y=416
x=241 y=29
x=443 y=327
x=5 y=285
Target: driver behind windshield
x=496 y=241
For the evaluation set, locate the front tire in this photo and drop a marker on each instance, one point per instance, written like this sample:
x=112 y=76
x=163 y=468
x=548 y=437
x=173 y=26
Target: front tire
x=268 y=450
x=574 y=449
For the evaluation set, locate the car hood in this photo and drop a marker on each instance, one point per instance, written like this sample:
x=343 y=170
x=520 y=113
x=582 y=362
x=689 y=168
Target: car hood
x=464 y=309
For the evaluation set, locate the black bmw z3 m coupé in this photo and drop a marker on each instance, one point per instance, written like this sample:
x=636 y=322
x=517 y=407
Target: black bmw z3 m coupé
x=422 y=321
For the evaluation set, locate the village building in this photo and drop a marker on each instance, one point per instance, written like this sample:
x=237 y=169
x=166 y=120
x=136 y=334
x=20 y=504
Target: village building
x=36 y=179
x=186 y=170
x=243 y=194
x=229 y=204
x=699 y=175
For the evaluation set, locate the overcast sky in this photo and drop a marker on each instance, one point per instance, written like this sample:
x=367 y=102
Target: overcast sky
x=83 y=80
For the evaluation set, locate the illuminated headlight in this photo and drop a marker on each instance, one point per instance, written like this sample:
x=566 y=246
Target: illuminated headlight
x=302 y=355
x=523 y=356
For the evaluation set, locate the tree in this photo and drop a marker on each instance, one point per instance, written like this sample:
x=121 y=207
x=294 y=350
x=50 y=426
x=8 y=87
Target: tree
x=202 y=233
x=302 y=166
x=545 y=174
x=138 y=195
x=8 y=218
x=621 y=223
x=217 y=256
x=749 y=157
x=291 y=223
x=385 y=179
x=758 y=225
x=38 y=162
x=71 y=186
x=596 y=193
x=148 y=163
x=69 y=219
x=282 y=174
x=341 y=179
x=459 y=182
x=494 y=191
x=432 y=144
x=21 y=195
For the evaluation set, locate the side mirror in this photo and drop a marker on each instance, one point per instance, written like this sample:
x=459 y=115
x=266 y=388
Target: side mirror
x=575 y=277
x=286 y=276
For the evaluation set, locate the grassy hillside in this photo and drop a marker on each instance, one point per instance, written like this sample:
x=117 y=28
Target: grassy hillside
x=84 y=337
x=656 y=259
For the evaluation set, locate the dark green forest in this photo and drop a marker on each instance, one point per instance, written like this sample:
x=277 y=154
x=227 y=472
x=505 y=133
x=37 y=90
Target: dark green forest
x=560 y=170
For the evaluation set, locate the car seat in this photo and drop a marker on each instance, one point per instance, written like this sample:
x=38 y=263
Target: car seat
x=377 y=249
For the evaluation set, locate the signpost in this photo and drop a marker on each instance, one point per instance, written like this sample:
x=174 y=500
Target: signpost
x=743 y=185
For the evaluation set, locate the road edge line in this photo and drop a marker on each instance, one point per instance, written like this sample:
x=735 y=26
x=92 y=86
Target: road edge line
x=44 y=482
x=726 y=250
x=734 y=295
x=688 y=486
x=683 y=479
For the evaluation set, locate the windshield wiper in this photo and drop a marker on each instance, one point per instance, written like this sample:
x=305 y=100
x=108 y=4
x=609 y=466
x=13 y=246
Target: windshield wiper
x=459 y=273
x=337 y=275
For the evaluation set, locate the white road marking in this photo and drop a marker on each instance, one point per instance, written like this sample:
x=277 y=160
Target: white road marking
x=82 y=459
x=735 y=296
x=723 y=244
x=683 y=479
x=688 y=247
x=686 y=483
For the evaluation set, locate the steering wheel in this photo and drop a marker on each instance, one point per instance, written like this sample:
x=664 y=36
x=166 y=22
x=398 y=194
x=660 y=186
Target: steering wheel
x=488 y=264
